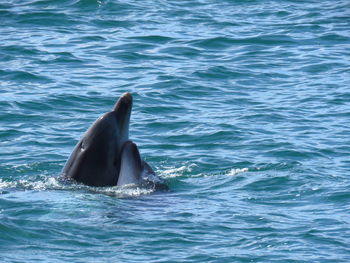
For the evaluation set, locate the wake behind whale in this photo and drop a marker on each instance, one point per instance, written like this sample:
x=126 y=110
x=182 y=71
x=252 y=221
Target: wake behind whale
x=106 y=157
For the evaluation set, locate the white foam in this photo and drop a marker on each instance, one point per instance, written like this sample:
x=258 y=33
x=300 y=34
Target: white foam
x=4 y=184
x=122 y=191
x=40 y=184
x=170 y=172
x=43 y=183
x=235 y=171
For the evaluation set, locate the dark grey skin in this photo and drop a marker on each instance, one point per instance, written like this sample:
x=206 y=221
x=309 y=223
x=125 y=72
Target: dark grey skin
x=105 y=156
x=133 y=170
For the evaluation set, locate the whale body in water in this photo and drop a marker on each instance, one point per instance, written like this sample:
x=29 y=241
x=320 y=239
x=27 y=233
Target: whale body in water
x=106 y=157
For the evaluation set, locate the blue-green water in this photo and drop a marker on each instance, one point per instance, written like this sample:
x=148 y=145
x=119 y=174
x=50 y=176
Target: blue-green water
x=243 y=106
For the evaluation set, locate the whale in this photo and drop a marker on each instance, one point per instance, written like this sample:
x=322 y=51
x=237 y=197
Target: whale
x=105 y=156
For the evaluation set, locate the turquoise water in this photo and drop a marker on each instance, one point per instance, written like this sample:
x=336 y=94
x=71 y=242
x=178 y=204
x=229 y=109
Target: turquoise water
x=243 y=106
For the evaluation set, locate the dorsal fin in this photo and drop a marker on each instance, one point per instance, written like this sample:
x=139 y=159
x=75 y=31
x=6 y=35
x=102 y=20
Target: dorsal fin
x=131 y=165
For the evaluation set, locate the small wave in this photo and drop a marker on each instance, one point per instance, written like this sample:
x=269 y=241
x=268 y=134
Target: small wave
x=42 y=183
x=170 y=172
x=126 y=191
x=235 y=171
x=46 y=183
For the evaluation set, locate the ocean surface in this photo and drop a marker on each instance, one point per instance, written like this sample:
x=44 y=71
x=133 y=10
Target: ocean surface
x=242 y=106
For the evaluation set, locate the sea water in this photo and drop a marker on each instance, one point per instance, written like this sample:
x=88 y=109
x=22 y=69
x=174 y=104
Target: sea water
x=242 y=106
